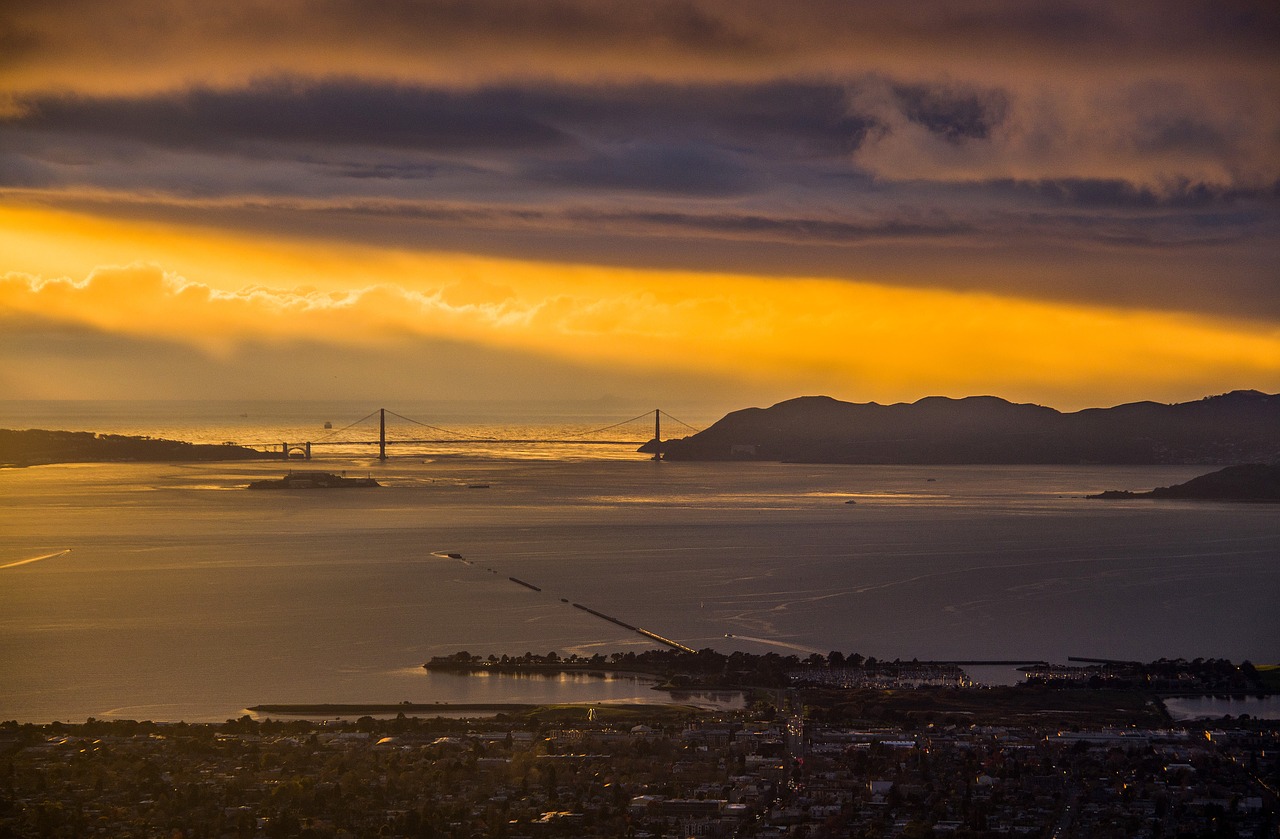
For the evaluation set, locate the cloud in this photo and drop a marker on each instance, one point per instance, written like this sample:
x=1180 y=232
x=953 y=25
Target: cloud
x=1153 y=134
x=317 y=120
x=713 y=330
x=1199 y=134
x=333 y=113
x=1114 y=193
x=46 y=359
x=1211 y=260
x=1084 y=152
x=134 y=44
x=655 y=168
x=834 y=162
x=954 y=115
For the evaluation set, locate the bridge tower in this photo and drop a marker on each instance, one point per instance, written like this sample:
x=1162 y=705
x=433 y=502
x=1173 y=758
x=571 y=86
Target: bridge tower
x=657 y=433
x=382 y=434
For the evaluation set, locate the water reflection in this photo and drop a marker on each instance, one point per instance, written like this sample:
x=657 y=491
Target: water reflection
x=1215 y=707
x=568 y=688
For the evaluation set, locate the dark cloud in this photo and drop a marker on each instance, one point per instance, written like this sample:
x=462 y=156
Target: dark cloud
x=1116 y=194
x=1089 y=140
x=796 y=230
x=333 y=113
x=659 y=39
x=383 y=170
x=681 y=24
x=689 y=140
x=952 y=114
x=786 y=118
x=804 y=119
x=662 y=168
x=1181 y=132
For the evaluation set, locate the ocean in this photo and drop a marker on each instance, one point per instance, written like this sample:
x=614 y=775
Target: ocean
x=169 y=591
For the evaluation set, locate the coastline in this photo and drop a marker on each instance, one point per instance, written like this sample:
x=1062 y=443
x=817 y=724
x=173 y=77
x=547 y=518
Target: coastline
x=369 y=709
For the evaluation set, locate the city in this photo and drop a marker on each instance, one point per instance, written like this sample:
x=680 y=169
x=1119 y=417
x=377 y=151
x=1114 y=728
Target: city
x=662 y=771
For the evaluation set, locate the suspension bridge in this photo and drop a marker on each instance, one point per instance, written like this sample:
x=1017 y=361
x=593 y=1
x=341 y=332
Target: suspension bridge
x=343 y=437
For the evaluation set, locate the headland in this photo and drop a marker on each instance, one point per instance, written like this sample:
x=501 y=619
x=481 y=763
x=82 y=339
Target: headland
x=35 y=447
x=1244 y=482
x=1237 y=427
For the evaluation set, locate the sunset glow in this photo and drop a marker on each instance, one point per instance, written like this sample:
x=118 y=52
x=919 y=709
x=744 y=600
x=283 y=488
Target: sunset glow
x=720 y=215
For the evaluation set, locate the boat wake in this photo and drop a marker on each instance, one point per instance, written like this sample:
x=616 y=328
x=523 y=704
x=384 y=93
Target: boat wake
x=34 y=559
x=783 y=644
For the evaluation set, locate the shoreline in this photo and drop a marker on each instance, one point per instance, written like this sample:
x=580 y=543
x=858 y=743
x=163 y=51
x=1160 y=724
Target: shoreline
x=595 y=671
x=369 y=709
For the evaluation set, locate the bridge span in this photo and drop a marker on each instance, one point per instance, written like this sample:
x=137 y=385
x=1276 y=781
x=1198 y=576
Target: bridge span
x=304 y=450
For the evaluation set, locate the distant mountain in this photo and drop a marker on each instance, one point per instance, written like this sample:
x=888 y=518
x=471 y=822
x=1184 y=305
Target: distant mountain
x=1238 y=427
x=1246 y=482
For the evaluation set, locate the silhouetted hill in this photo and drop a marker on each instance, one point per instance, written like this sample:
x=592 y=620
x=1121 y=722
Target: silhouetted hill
x=1246 y=482
x=36 y=446
x=1242 y=426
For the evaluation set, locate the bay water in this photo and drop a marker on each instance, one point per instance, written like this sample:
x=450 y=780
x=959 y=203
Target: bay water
x=169 y=591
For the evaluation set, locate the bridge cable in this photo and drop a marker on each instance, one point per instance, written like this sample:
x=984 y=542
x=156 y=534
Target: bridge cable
x=599 y=430
x=443 y=430
x=681 y=422
x=352 y=425
x=490 y=439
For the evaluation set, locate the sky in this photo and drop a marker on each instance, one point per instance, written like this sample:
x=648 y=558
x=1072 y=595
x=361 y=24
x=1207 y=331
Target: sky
x=672 y=202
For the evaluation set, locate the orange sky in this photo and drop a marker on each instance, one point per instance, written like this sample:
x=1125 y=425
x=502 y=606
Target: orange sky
x=240 y=203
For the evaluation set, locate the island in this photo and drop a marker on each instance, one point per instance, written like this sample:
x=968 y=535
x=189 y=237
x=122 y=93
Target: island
x=36 y=447
x=1244 y=482
x=313 y=480
x=1238 y=427
x=709 y=669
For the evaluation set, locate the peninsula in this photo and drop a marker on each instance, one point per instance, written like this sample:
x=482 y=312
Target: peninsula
x=34 y=447
x=1245 y=482
x=1238 y=427
x=709 y=669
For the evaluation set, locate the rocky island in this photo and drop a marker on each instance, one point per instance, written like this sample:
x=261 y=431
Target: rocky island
x=313 y=480
x=1238 y=427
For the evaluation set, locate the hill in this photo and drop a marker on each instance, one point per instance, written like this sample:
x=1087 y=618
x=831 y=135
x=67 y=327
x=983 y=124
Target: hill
x=35 y=446
x=1246 y=482
x=1241 y=426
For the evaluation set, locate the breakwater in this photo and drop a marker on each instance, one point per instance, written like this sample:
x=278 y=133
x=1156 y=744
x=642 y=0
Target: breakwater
x=652 y=636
